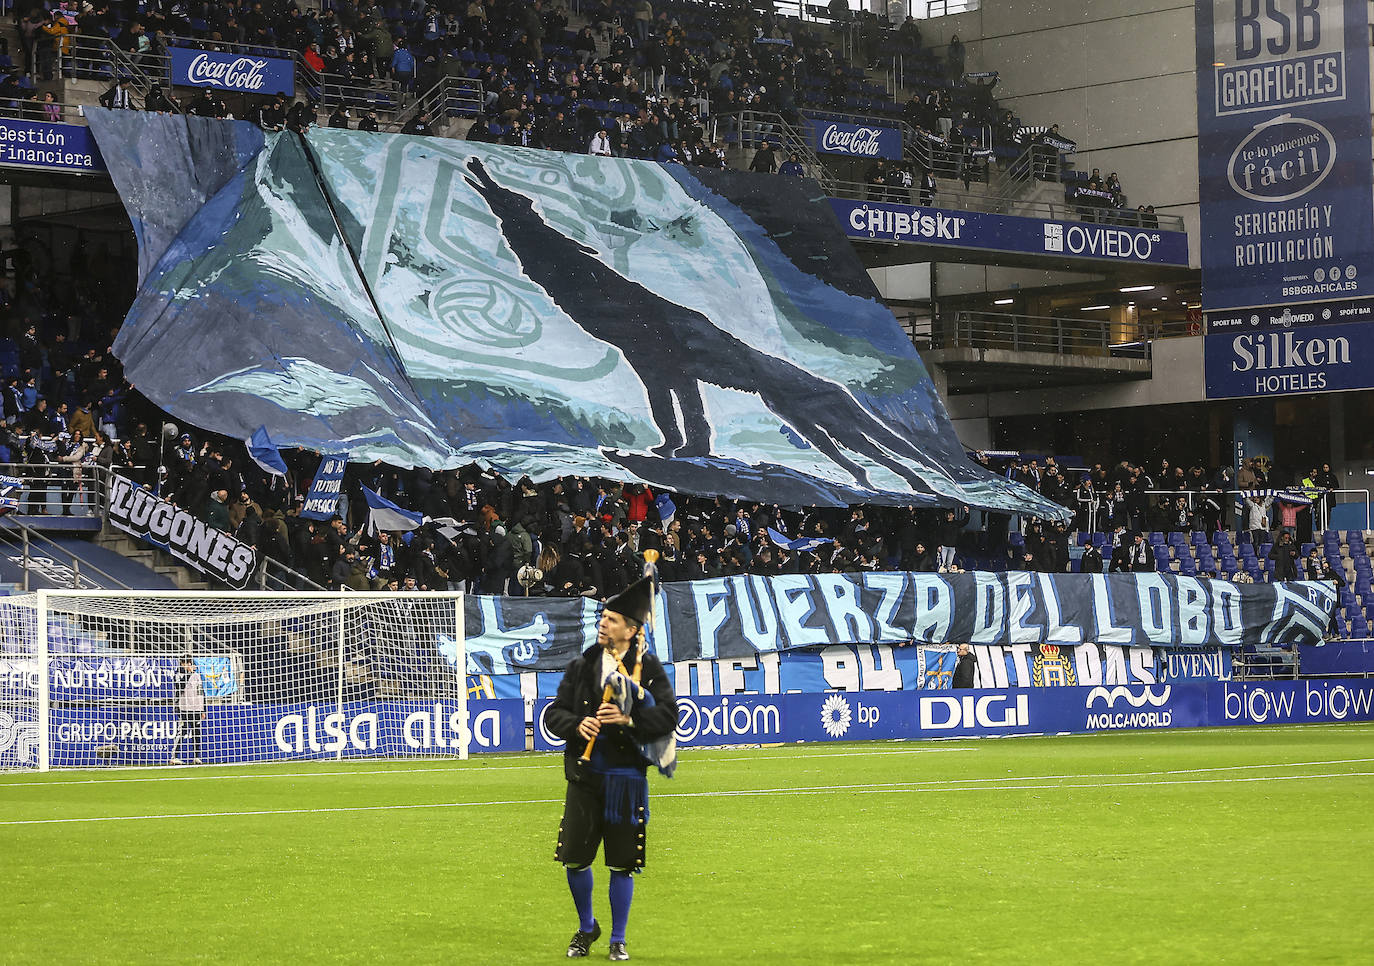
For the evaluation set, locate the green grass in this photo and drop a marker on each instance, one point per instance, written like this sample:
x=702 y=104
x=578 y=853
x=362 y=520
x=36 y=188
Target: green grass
x=1235 y=845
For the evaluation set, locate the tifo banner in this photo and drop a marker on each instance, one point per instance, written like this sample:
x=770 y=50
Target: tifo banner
x=891 y=221
x=738 y=720
x=524 y=328
x=749 y=615
x=854 y=140
x=1283 y=152
x=143 y=733
x=214 y=553
x=883 y=667
x=233 y=73
x=1278 y=362
x=49 y=145
x=322 y=501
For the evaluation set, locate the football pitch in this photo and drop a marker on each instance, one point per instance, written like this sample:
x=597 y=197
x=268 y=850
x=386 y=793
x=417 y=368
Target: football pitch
x=1227 y=845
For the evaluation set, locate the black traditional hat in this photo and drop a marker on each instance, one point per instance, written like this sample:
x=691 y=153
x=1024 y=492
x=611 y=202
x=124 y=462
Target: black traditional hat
x=635 y=602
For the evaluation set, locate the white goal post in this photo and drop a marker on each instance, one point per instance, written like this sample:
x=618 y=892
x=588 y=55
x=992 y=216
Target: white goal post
x=133 y=678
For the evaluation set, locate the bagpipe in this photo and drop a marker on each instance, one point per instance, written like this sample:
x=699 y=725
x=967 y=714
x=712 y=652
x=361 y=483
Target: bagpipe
x=623 y=689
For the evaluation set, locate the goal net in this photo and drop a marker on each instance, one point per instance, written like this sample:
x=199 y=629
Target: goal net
x=104 y=678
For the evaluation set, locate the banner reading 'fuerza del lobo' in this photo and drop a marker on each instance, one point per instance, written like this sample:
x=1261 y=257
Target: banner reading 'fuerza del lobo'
x=1283 y=151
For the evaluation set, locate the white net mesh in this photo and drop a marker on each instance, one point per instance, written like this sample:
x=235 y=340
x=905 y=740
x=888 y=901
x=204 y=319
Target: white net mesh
x=144 y=679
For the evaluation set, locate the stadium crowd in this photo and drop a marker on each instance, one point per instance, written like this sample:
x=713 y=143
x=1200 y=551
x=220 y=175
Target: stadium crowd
x=585 y=536
x=66 y=406
x=638 y=80
x=646 y=75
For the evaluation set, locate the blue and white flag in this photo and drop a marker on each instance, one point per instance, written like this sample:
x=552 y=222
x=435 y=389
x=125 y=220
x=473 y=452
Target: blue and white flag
x=666 y=509
x=264 y=453
x=938 y=672
x=322 y=502
x=382 y=514
x=802 y=543
x=217 y=676
x=10 y=489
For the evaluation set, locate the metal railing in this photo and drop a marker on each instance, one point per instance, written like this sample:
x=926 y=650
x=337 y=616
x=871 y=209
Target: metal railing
x=60 y=489
x=1036 y=333
x=945 y=8
x=1322 y=505
x=100 y=58
x=38 y=552
x=974 y=201
x=754 y=129
x=35 y=109
x=450 y=97
x=275 y=575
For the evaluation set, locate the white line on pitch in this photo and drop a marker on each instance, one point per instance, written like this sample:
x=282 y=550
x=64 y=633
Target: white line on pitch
x=914 y=751
x=864 y=788
x=177 y=773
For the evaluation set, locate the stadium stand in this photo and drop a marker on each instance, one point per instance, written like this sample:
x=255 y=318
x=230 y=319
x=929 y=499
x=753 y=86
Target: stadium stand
x=668 y=90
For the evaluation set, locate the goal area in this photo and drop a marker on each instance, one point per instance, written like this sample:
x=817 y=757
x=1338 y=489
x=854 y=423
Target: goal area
x=130 y=678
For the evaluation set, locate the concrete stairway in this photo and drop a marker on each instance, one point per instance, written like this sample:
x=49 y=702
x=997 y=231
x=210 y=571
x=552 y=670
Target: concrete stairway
x=156 y=560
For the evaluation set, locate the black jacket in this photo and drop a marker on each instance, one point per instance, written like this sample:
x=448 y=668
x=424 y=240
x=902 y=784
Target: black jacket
x=579 y=695
x=963 y=671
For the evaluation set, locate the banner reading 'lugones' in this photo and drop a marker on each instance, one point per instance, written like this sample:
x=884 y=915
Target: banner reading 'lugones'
x=213 y=552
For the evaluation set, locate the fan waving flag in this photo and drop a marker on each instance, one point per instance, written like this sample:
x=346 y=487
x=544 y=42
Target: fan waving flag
x=802 y=543
x=264 y=453
x=382 y=514
x=666 y=509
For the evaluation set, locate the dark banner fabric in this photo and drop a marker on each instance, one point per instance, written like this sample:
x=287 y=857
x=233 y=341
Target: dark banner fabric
x=748 y=615
x=213 y=552
x=434 y=302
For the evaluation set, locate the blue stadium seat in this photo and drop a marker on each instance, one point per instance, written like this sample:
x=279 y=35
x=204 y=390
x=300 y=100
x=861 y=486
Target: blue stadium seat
x=1359 y=627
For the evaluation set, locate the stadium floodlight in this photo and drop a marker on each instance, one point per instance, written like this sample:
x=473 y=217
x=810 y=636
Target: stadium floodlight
x=1093 y=308
x=1137 y=288
x=111 y=678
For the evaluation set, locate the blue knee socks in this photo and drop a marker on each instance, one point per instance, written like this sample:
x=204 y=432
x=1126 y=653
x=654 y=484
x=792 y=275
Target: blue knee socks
x=622 y=893
x=580 y=884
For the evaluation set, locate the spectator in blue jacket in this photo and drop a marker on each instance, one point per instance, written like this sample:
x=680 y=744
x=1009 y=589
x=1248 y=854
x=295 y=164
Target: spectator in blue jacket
x=792 y=168
x=403 y=66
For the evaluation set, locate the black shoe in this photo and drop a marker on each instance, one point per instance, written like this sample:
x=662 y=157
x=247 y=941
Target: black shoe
x=581 y=943
x=617 y=953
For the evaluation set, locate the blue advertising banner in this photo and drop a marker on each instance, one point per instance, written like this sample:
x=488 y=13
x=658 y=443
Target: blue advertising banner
x=1339 y=657
x=1317 y=358
x=85 y=735
x=97 y=678
x=233 y=72
x=890 y=221
x=854 y=140
x=1283 y=151
x=322 y=501
x=49 y=145
x=972 y=713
